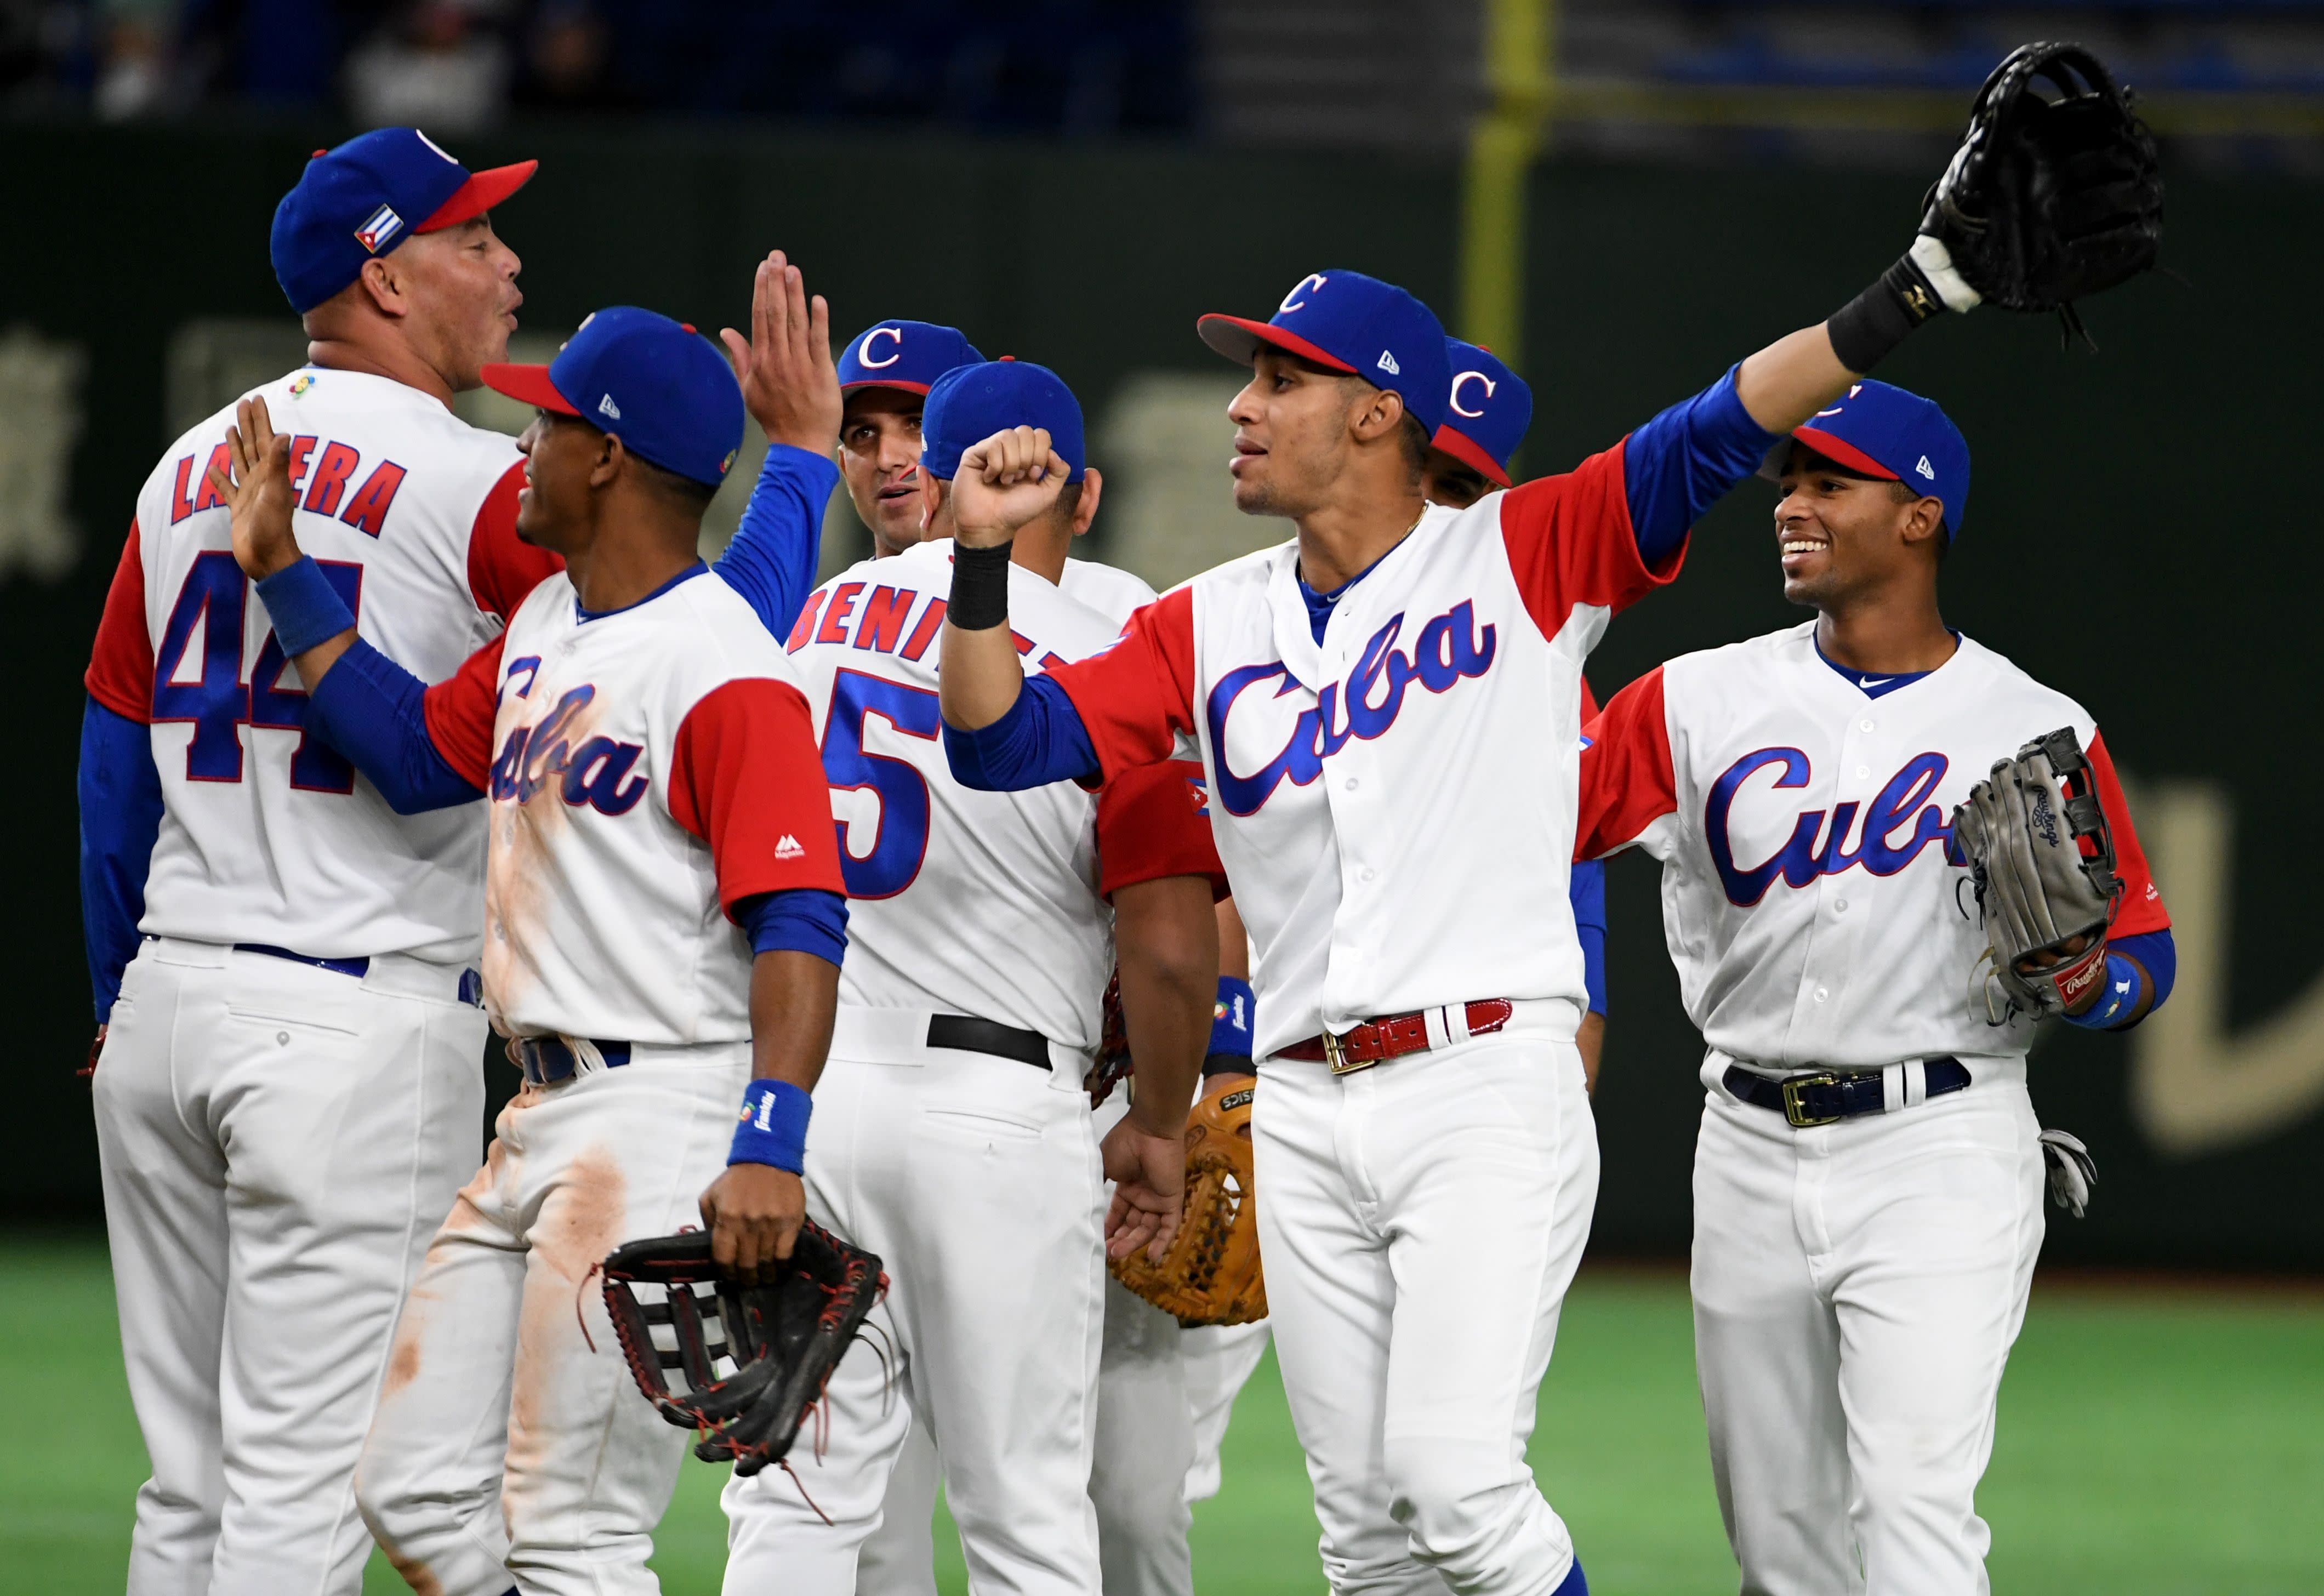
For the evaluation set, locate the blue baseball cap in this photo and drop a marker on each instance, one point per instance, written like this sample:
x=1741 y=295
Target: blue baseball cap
x=1345 y=321
x=1886 y=432
x=1488 y=408
x=970 y=403
x=907 y=355
x=368 y=196
x=655 y=383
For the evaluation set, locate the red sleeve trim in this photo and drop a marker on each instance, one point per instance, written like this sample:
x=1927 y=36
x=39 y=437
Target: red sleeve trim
x=1627 y=781
x=502 y=567
x=121 y=662
x=747 y=780
x=1154 y=822
x=2141 y=900
x=1570 y=543
x=460 y=710
x=1136 y=695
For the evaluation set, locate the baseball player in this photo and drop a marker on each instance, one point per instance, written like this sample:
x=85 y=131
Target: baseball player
x=956 y=1139
x=1386 y=707
x=287 y=1095
x=663 y=928
x=1869 y=1176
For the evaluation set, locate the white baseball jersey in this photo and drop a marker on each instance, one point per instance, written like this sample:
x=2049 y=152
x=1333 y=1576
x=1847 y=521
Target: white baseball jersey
x=988 y=904
x=1804 y=826
x=1394 y=805
x=646 y=770
x=267 y=836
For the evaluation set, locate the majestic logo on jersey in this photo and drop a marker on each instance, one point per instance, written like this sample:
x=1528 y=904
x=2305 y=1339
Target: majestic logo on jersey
x=1812 y=849
x=788 y=847
x=1450 y=646
x=596 y=775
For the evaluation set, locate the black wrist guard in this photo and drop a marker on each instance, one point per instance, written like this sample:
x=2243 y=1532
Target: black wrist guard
x=980 y=587
x=1869 y=327
x=1228 y=1063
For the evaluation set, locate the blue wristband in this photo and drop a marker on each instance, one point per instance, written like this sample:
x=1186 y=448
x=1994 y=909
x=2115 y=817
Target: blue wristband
x=773 y=1130
x=304 y=606
x=1231 y=1019
x=2120 y=997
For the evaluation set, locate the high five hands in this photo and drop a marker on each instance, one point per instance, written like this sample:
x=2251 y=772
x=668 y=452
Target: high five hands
x=1005 y=481
x=258 y=491
x=790 y=383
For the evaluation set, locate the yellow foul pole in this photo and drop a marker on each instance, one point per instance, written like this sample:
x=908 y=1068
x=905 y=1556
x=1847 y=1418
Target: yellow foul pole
x=1518 y=76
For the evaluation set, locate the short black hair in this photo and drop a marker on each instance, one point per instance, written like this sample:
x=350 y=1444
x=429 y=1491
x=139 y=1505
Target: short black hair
x=681 y=491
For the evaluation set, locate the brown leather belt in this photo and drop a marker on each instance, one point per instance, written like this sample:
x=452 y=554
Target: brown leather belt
x=1392 y=1036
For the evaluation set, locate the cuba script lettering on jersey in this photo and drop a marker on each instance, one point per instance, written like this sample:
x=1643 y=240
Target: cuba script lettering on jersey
x=1902 y=802
x=596 y=774
x=1450 y=648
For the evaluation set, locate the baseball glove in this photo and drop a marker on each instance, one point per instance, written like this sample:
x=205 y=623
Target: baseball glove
x=752 y=1358
x=2049 y=199
x=1211 y=1275
x=2041 y=856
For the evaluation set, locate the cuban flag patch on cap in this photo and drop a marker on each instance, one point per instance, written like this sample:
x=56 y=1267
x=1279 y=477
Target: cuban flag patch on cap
x=378 y=227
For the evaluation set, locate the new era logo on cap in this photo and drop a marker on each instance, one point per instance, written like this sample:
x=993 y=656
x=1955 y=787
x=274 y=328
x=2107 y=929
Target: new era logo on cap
x=1387 y=363
x=378 y=227
x=606 y=407
x=1925 y=469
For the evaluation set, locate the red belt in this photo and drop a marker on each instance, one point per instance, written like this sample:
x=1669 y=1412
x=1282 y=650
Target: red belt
x=1392 y=1036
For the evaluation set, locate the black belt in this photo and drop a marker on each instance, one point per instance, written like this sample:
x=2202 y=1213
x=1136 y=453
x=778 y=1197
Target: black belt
x=963 y=1034
x=547 y=1060
x=1826 y=1097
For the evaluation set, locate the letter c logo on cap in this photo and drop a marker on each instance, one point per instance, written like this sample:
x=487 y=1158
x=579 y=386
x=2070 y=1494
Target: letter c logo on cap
x=1292 y=301
x=863 y=349
x=1463 y=409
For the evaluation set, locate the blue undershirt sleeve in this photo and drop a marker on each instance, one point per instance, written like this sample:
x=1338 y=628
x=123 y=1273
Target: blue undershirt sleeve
x=799 y=919
x=2157 y=954
x=120 y=816
x=1684 y=461
x=1039 y=741
x=372 y=710
x=772 y=560
x=1587 y=889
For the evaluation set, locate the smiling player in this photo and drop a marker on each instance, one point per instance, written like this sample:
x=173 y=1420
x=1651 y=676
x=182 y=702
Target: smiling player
x=1868 y=1181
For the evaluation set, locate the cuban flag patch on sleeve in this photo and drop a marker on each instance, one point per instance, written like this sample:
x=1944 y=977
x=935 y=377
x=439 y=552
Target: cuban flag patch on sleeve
x=378 y=227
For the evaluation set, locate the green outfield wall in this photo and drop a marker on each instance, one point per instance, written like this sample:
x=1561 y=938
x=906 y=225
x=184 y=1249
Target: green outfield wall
x=2139 y=534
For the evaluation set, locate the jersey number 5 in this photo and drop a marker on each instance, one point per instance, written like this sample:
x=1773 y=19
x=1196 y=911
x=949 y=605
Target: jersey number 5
x=217 y=700
x=900 y=840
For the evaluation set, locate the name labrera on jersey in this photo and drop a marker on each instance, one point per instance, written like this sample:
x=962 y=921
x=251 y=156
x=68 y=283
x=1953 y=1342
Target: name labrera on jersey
x=988 y=904
x=645 y=771
x=1395 y=806
x=1803 y=824
x=268 y=836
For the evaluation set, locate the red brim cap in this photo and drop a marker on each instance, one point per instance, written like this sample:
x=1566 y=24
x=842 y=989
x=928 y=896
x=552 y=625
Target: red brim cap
x=479 y=194
x=919 y=388
x=529 y=385
x=1841 y=452
x=1469 y=453
x=1239 y=340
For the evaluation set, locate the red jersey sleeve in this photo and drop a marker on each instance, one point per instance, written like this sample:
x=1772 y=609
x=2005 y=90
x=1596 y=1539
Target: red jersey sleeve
x=459 y=712
x=1153 y=822
x=121 y=664
x=502 y=567
x=1628 y=782
x=1137 y=694
x=747 y=780
x=1571 y=542
x=2141 y=901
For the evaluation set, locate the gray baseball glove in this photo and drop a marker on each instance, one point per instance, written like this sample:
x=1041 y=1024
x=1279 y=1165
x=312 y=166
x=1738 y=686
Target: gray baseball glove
x=2041 y=856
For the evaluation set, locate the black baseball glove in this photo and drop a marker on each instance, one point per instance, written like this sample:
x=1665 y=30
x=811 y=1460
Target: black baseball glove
x=753 y=1358
x=2056 y=193
x=2040 y=855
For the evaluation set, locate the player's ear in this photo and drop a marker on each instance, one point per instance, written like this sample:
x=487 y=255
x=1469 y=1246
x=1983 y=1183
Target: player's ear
x=1924 y=523
x=611 y=460
x=931 y=500
x=1378 y=415
x=1085 y=507
x=380 y=283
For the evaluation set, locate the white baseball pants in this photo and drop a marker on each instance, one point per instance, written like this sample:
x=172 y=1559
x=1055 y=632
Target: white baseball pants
x=512 y=1447
x=1857 y=1288
x=277 y=1143
x=1421 y=1221
x=1220 y=1359
x=975 y=1180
